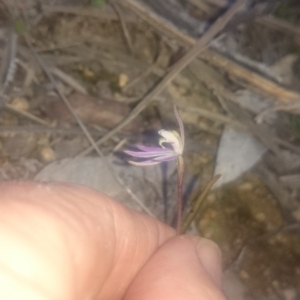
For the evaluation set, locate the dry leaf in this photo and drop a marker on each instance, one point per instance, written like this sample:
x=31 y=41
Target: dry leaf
x=238 y=152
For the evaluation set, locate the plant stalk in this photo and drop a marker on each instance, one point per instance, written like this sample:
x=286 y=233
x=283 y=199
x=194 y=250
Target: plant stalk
x=197 y=205
x=180 y=172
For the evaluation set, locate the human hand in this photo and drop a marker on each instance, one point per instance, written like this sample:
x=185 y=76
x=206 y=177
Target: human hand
x=67 y=242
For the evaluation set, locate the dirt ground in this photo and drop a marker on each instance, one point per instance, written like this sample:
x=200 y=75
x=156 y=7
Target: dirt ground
x=254 y=219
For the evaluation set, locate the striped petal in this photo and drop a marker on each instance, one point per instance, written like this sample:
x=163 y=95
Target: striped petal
x=148 y=154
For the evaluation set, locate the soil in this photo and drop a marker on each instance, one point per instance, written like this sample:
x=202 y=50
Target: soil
x=244 y=218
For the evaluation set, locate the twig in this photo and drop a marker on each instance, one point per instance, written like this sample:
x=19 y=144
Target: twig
x=69 y=80
x=220 y=3
x=212 y=116
x=206 y=8
x=43 y=129
x=105 y=13
x=259 y=82
x=291 y=107
x=27 y=115
x=175 y=69
x=247 y=62
x=158 y=23
x=125 y=31
x=83 y=127
x=59 y=47
x=11 y=65
x=280 y=25
x=30 y=74
x=198 y=203
x=138 y=79
x=120 y=145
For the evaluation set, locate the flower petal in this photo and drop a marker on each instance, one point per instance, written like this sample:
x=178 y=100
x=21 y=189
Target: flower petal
x=154 y=161
x=143 y=163
x=173 y=138
x=148 y=154
x=146 y=148
x=166 y=158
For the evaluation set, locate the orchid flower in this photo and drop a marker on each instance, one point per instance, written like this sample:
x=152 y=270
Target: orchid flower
x=155 y=155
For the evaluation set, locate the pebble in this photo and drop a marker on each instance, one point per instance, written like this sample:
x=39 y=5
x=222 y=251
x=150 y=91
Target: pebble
x=20 y=104
x=261 y=217
x=47 y=154
x=296 y=214
x=244 y=275
x=123 y=80
x=246 y=186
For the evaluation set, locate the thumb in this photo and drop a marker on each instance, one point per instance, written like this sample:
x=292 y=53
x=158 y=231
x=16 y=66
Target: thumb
x=183 y=268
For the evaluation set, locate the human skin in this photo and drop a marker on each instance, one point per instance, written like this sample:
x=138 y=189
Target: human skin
x=68 y=242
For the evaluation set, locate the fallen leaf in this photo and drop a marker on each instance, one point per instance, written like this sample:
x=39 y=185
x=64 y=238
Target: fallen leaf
x=238 y=152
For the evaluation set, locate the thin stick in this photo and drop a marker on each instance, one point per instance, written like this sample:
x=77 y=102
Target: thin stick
x=66 y=78
x=27 y=115
x=11 y=65
x=138 y=78
x=125 y=31
x=175 y=70
x=219 y=118
x=198 y=203
x=28 y=129
x=105 y=13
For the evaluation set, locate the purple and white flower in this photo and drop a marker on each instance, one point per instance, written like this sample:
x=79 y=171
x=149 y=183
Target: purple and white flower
x=155 y=155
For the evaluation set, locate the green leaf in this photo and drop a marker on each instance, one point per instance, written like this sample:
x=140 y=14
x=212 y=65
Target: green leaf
x=97 y=3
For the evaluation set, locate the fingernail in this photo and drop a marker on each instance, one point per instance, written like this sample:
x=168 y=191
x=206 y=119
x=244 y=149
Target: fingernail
x=211 y=258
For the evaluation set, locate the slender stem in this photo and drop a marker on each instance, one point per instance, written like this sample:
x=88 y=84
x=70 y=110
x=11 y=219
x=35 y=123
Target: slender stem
x=180 y=171
x=196 y=207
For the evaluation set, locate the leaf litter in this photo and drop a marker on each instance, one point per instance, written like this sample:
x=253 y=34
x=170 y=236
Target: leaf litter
x=92 y=58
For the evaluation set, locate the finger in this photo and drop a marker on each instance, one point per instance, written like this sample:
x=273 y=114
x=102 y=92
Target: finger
x=210 y=256
x=177 y=271
x=70 y=242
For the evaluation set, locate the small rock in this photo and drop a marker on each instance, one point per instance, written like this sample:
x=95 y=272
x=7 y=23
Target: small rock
x=123 y=80
x=47 y=154
x=244 y=275
x=296 y=214
x=19 y=103
x=246 y=186
x=261 y=217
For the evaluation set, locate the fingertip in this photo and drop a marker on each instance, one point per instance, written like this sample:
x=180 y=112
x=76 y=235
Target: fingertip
x=176 y=271
x=211 y=258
